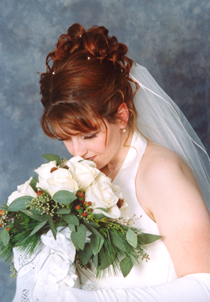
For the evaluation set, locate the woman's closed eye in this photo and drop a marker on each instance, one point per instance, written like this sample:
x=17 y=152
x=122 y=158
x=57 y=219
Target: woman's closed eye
x=89 y=136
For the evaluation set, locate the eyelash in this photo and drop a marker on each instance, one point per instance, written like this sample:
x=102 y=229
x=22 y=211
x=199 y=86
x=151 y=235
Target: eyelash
x=91 y=136
x=85 y=137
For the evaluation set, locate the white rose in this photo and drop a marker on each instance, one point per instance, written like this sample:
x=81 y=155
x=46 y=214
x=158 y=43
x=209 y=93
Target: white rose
x=13 y=196
x=102 y=178
x=117 y=191
x=84 y=171
x=22 y=190
x=44 y=174
x=101 y=195
x=61 y=179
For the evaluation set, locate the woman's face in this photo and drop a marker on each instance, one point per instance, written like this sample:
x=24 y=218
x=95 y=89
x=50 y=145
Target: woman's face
x=100 y=146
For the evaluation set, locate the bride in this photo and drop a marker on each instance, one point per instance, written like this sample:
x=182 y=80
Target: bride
x=108 y=109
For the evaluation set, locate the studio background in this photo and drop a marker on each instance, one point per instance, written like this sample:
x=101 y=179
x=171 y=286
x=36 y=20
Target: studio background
x=170 y=38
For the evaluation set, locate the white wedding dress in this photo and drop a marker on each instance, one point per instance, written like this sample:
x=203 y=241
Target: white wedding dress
x=50 y=275
x=159 y=269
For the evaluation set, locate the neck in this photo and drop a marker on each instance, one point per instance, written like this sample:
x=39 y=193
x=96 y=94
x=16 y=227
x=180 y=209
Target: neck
x=113 y=167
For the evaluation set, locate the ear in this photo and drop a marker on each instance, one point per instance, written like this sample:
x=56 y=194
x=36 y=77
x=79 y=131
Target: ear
x=123 y=115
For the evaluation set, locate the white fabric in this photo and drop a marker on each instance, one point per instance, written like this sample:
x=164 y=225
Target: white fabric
x=192 y=288
x=162 y=122
x=51 y=265
x=159 y=269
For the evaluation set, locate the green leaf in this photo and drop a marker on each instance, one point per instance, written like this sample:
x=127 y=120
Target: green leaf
x=27 y=212
x=104 y=260
x=33 y=184
x=93 y=230
x=126 y=266
x=79 y=237
x=103 y=209
x=99 y=216
x=93 y=224
x=72 y=219
x=147 y=238
x=17 y=224
x=38 y=227
x=96 y=243
x=85 y=255
x=36 y=212
x=131 y=238
x=64 y=197
x=118 y=241
x=39 y=217
x=71 y=227
x=63 y=211
x=19 y=203
x=51 y=157
x=95 y=260
x=52 y=226
x=5 y=237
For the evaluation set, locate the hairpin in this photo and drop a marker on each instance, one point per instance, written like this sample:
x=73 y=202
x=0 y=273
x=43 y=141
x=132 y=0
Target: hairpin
x=80 y=36
x=53 y=72
x=88 y=58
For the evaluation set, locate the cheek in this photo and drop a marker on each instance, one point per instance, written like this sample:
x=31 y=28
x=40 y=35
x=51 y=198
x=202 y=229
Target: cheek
x=68 y=147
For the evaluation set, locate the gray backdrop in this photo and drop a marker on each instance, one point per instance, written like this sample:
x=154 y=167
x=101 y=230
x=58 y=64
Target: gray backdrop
x=169 y=37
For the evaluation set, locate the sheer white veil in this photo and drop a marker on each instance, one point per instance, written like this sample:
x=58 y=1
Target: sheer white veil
x=162 y=122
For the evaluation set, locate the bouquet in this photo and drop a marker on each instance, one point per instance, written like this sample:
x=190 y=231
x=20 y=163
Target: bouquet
x=73 y=194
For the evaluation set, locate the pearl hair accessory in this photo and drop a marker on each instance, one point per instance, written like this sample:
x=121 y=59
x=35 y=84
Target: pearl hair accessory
x=124 y=130
x=88 y=58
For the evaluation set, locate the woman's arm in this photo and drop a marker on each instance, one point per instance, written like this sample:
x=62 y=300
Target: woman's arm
x=191 y=288
x=168 y=192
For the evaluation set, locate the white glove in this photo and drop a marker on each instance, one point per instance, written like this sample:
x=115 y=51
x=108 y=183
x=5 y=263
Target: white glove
x=191 y=288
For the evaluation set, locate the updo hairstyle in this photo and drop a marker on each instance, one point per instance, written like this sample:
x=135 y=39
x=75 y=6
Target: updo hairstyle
x=86 y=80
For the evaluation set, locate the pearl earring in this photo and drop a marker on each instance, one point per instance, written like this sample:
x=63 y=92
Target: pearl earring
x=124 y=130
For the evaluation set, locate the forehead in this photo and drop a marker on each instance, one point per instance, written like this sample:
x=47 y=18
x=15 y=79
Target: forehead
x=63 y=131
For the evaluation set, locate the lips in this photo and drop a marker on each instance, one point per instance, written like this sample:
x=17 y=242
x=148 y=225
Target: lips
x=90 y=158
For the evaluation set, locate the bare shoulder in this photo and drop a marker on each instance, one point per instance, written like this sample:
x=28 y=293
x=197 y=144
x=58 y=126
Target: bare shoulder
x=163 y=175
x=160 y=163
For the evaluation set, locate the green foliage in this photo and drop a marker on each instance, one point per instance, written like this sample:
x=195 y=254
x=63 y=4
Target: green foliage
x=85 y=254
x=33 y=184
x=64 y=197
x=79 y=237
x=103 y=209
x=38 y=227
x=126 y=266
x=71 y=219
x=52 y=157
x=63 y=211
x=145 y=238
x=96 y=244
x=5 y=237
x=52 y=226
x=19 y=204
x=131 y=238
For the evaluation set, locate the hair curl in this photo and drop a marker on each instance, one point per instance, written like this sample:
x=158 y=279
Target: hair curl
x=86 y=80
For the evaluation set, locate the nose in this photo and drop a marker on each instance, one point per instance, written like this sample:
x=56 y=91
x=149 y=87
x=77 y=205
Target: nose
x=76 y=147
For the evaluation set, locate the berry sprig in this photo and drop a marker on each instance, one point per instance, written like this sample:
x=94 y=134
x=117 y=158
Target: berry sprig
x=83 y=208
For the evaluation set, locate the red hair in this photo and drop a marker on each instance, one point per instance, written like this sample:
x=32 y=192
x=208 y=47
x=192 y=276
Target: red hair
x=86 y=80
